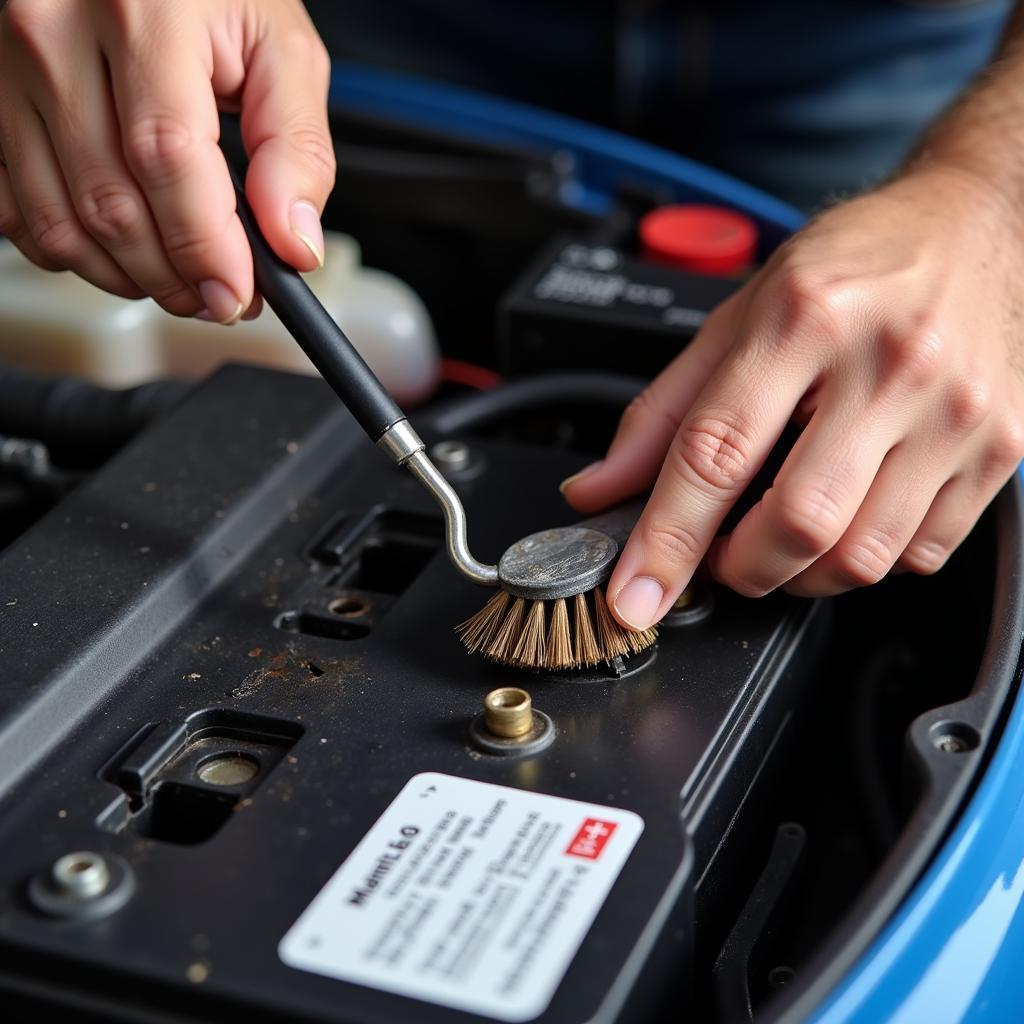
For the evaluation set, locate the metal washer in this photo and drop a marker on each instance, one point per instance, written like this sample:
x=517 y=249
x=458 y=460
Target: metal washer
x=46 y=896
x=540 y=737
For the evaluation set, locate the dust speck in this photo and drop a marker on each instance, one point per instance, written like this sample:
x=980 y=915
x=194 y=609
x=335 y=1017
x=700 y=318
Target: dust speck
x=197 y=972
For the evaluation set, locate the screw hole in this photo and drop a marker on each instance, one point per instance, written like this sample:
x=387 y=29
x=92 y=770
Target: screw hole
x=954 y=737
x=349 y=607
x=779 y=977
x=509 y=698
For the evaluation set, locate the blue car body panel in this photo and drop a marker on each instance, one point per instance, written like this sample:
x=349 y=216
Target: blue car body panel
x=955 y=949
x=603 y=159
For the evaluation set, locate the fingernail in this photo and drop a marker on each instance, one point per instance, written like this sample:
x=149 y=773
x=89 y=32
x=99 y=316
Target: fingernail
x=305 y=224
x=637 y=603
x=586 y=471
x=221 y=302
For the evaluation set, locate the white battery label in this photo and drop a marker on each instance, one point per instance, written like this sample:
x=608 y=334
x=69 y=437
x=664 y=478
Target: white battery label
x=466 y=895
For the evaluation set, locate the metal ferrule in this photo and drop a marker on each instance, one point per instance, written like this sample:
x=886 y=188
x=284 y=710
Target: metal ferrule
x=400 y=442
x=404 y=446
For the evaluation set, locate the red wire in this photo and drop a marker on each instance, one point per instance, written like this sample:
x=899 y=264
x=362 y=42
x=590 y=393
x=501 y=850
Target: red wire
x=457 y=371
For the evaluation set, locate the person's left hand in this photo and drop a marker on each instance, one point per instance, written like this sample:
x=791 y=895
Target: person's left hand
x=892 y=326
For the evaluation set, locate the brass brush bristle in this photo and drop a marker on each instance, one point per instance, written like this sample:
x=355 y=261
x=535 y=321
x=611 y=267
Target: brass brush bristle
x=538 y=634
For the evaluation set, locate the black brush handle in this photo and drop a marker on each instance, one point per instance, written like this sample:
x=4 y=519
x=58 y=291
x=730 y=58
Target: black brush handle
x=307 y=321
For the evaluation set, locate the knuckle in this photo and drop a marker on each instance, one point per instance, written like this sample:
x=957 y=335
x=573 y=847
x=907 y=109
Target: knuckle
x=57 y=234
x=926 y=557
x=110 y=212
x=970 y=402
x=308 y=51
x=715 y=451
x=188 y=246
x=865 y=559
x=810 y=520
x=315 y=148
x=914 y=357
x=813 y=302
x=1006 y=446
x=159 y=147
x=671 y=543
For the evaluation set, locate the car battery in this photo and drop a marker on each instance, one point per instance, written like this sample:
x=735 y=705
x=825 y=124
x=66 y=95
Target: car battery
x=575 y=305
x=242 y=768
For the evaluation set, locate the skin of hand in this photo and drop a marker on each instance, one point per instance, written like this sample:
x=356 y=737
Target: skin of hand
x=109 y=162
x=890 y=328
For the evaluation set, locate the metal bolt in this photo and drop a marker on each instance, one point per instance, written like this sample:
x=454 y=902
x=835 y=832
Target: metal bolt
x=779 y=977
x=228 y=770
x=950 y=744
x=451 y=456
x=508 y=712
x=82 y=875
x=692 y=605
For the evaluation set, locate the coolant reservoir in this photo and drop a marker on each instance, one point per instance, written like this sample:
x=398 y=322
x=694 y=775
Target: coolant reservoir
x=59 y=323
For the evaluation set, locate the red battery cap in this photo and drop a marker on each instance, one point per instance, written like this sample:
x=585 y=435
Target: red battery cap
x=706 y=239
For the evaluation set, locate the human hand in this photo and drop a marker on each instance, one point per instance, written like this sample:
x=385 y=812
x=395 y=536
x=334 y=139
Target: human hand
x=109 y=163
x=892 y=328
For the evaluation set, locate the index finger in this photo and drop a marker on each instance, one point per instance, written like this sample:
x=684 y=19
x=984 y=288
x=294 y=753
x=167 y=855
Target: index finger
x=720 y=445
x=161 y=72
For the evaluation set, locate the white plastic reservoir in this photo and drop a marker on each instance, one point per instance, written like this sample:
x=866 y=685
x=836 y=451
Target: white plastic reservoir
x=58 y=323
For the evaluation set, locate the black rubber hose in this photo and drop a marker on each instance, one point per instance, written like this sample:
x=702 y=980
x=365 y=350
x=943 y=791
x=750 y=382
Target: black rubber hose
x=81 y=424
x=314 y=329
x=555 y=389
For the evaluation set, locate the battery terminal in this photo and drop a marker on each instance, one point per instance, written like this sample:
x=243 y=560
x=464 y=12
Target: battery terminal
x=508 y=712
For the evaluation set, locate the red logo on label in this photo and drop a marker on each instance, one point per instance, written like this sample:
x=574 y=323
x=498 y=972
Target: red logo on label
x=591 y=838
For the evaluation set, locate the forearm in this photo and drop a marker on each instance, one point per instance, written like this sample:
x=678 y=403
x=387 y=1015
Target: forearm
x=982 y=134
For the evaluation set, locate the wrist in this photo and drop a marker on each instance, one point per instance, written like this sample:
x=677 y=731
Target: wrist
x=958 y=189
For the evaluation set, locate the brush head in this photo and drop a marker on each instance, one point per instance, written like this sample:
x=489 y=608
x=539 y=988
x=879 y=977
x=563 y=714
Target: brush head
x=563 y=562
x=551 y=612
x=564 y=633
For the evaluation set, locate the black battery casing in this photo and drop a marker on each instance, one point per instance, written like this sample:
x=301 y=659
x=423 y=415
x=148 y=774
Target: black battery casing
x=182 y=596
x=585 y=306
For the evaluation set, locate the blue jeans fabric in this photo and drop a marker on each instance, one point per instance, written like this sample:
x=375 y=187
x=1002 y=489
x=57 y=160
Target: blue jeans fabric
x=807 y=99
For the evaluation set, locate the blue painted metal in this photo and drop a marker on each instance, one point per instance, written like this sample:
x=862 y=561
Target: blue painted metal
x=955 y=949
x=603 y=159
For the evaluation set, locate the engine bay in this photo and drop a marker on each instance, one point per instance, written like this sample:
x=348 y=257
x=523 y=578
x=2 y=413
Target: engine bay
x=229 y=648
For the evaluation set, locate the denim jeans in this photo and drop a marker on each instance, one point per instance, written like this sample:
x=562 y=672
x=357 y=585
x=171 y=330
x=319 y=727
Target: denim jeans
x=806 y=98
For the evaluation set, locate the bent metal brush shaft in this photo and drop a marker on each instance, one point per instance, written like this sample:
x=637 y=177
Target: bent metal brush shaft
x=331 y=352
x=554 y=566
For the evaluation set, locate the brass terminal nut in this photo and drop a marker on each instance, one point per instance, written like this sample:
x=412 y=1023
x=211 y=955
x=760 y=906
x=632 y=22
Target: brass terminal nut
x=508 y=712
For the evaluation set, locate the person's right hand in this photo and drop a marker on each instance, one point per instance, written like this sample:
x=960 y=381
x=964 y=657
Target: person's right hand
x=109 y=162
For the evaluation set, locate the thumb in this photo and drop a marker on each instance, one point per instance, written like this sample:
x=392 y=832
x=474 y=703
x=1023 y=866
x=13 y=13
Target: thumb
x=651 y=420
x=285 y=130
